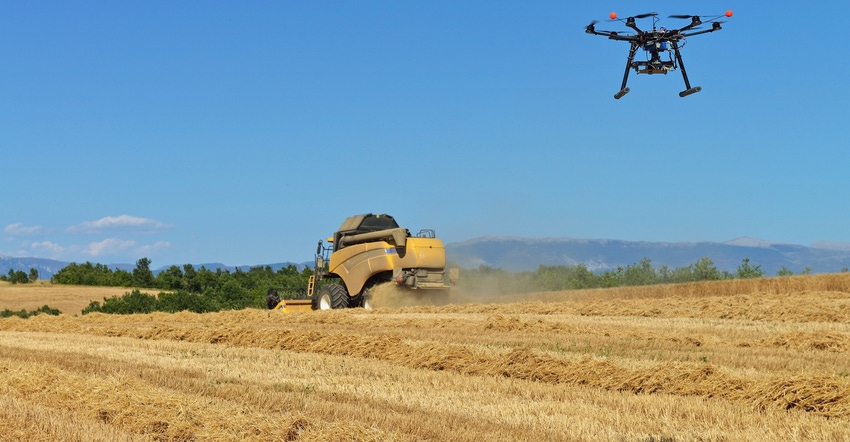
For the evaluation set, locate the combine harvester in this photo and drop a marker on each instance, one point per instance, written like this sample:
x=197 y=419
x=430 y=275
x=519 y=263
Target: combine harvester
x=366 y=251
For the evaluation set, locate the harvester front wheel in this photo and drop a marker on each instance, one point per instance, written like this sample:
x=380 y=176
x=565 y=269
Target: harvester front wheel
x=272 y=299
x=332 y=296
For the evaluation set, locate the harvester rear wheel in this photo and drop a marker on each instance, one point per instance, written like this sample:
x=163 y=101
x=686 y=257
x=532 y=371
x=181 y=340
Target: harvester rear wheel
x=332 y=296
x=367 y=301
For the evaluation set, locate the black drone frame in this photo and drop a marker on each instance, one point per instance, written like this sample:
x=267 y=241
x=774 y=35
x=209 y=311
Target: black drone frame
x=650 y=39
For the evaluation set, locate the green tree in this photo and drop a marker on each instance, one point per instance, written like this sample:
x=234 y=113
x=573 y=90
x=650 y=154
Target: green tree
x=746 y=271
x=142 y=274
x=784 y=271
x=170 y=278
x=18 y=277
x=33 y=276
x=641 y=273
x=704 y=270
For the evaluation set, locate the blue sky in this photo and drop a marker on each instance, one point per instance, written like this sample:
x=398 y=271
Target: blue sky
x=243 y=132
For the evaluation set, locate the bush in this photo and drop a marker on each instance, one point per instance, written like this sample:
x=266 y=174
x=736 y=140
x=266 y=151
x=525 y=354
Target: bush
x=129 y=303
x=170 y=302
x=182 y=300
x=23 y=314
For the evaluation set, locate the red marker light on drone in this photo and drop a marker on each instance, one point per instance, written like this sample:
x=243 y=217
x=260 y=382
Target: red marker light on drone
x=613 y=15
x=729 y=13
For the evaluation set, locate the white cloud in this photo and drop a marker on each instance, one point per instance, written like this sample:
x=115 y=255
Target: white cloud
x=122 y=222
x=47 y=249
x=49 y=246
x=153 y=248
x=19 y=229
x=109 y=246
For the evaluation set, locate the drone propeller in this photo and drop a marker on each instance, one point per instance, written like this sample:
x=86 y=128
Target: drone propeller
x=648 y=14
x=691 y=17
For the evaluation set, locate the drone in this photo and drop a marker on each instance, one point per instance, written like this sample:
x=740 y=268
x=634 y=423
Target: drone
x=656 y=43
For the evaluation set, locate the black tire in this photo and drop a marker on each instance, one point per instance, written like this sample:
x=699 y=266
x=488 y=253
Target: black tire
x=272 y=299
x=331 y=296
x=363 y=300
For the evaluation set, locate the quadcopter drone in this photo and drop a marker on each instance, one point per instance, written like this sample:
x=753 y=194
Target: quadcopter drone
x=655 y=43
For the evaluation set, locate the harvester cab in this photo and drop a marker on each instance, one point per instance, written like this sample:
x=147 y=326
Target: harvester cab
x=368 y=250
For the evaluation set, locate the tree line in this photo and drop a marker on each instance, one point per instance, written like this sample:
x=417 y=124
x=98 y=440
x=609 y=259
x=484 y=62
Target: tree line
x=204 y=290
x=24 y=314
x=563 y=277
x=20 y=277
x=181 y=288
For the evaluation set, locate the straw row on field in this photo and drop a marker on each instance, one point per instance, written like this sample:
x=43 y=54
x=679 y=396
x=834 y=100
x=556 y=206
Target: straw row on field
x=121 y=406
x=362 y=399
x=823 y=395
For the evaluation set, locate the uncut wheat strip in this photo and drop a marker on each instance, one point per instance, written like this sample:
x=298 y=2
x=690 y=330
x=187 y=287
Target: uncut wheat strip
x=681 y=379
x=797 y=307
x=69 y=299
x=835 y=282
x=806 y=306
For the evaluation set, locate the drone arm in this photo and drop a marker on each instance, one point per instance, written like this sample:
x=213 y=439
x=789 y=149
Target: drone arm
x=714 y=27
x=610 y=34
x=630 y=22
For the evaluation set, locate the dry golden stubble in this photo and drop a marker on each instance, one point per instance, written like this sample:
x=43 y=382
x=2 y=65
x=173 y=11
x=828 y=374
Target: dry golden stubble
x=432 y=405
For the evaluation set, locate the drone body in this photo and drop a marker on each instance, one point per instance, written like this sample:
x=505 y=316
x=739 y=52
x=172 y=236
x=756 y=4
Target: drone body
x=657 y=43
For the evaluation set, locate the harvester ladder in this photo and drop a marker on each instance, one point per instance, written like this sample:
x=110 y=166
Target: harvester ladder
x=311 y=286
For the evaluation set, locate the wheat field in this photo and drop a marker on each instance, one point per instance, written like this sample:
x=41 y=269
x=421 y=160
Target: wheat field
x=70 y=299
x=741 y=360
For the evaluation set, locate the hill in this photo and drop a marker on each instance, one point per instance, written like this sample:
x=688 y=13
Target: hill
x=48 y=267
x=522 y=254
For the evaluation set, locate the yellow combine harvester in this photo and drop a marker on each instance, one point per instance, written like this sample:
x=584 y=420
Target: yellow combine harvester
x=366 y=251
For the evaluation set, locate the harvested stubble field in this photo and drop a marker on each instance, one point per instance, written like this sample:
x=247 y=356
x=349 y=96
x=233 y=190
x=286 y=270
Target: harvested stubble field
x=753 y=360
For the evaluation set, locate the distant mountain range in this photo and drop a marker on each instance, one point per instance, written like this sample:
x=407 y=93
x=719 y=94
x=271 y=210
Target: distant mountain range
x=523 y=254
x=48 y=267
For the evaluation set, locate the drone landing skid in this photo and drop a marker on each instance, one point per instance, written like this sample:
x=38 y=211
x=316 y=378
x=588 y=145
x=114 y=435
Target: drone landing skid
x=620 y=94
x=690 y=91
